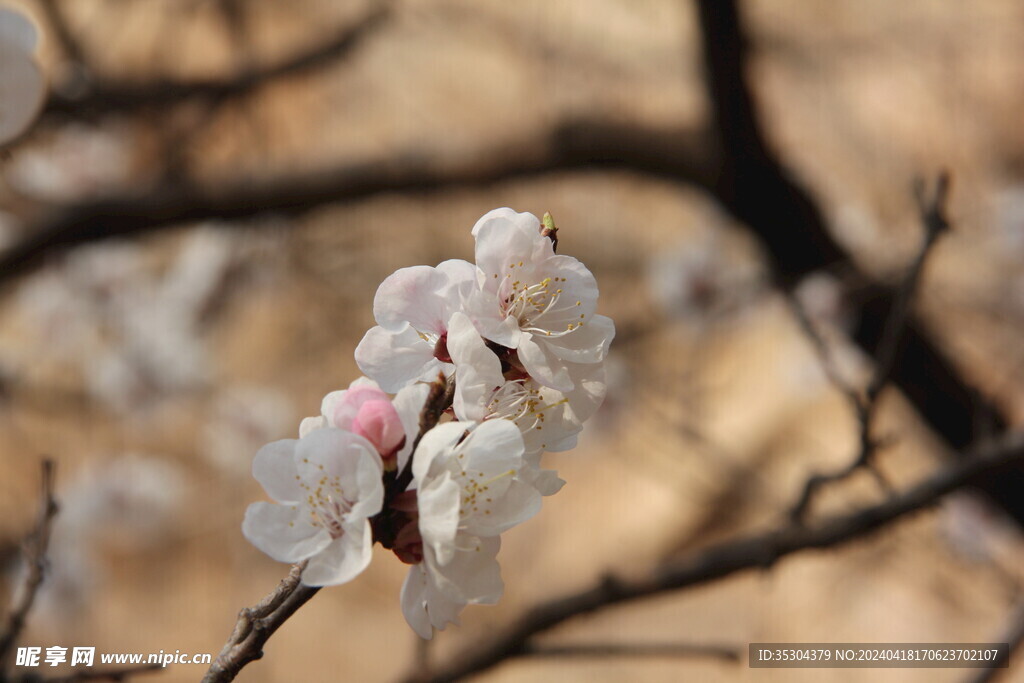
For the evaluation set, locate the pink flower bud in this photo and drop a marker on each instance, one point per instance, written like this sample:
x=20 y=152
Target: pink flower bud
x=378 y=421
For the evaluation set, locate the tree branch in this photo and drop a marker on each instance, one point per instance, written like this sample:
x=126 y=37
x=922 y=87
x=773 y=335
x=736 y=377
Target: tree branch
x=758 y=551
x=256 y=624
x=35 y=567
x=126 y=97
x=935 y=223
x=575 y=144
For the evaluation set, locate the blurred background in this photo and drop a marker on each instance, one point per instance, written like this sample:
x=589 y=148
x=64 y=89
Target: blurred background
x=294 y=154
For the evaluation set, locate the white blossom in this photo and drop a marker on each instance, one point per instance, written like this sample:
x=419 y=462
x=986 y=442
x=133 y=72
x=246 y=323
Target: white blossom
x=469 y=490
x=412 y=308
x=328 y=485
x=532 y=300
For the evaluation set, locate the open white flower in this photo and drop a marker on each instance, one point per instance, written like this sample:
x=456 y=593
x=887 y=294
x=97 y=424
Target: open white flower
x=412 y=307
x=433 y=595
x=469 y=490
x=548 y=419
x=21 y=82
x=532 y=300
x=328 y=485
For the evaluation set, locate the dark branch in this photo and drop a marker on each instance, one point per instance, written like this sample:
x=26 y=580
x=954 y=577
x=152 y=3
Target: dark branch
x=129 y=97
x=753 y=552
x=256 y=624
x=35 y=567
x=573 y=145
x=759 y=191
x=935 y=223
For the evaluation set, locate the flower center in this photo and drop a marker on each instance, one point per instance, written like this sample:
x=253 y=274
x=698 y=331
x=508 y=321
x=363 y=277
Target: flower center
x=521 y=402
x=536 y=306
x=327 y=504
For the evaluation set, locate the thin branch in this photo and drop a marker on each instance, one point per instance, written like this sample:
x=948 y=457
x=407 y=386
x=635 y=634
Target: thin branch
x=935 y=223
x=256 y=624
x=1014 y=636
x=129 y=97
x=35 y=566
x=727 y=653
x=575 y=144
x=717 y=562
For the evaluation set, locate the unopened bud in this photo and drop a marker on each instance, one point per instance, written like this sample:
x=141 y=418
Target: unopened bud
x=548 y=229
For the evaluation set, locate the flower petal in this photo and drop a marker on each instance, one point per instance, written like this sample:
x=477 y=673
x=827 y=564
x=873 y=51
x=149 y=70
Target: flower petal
x=283 y=532
x=588 y=343
x=344 y=559
x=543 y=365
x=274 y=468
x=394 y=359
x=414 y=601
x=412 y=295
x=477 y=369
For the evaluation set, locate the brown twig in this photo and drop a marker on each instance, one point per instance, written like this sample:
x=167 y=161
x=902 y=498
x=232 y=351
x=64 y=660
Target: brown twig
x=35 y=567
x=935 y=223
x=130 y=97
x=573 y=144
x=256 y=624
x=718 y=561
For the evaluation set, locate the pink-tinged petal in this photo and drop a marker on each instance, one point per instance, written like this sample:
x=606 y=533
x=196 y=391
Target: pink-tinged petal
x=412 y=295
x=283 y=532
x=414 y=602
x=586 y=344
x=341 y=561
x=543 y=366
x=378 y=422
x=394 y=359
x=477 y=369
x=274 y=468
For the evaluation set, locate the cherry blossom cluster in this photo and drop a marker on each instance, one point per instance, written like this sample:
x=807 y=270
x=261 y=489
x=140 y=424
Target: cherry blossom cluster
x=472 y=372
x=21 y=81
